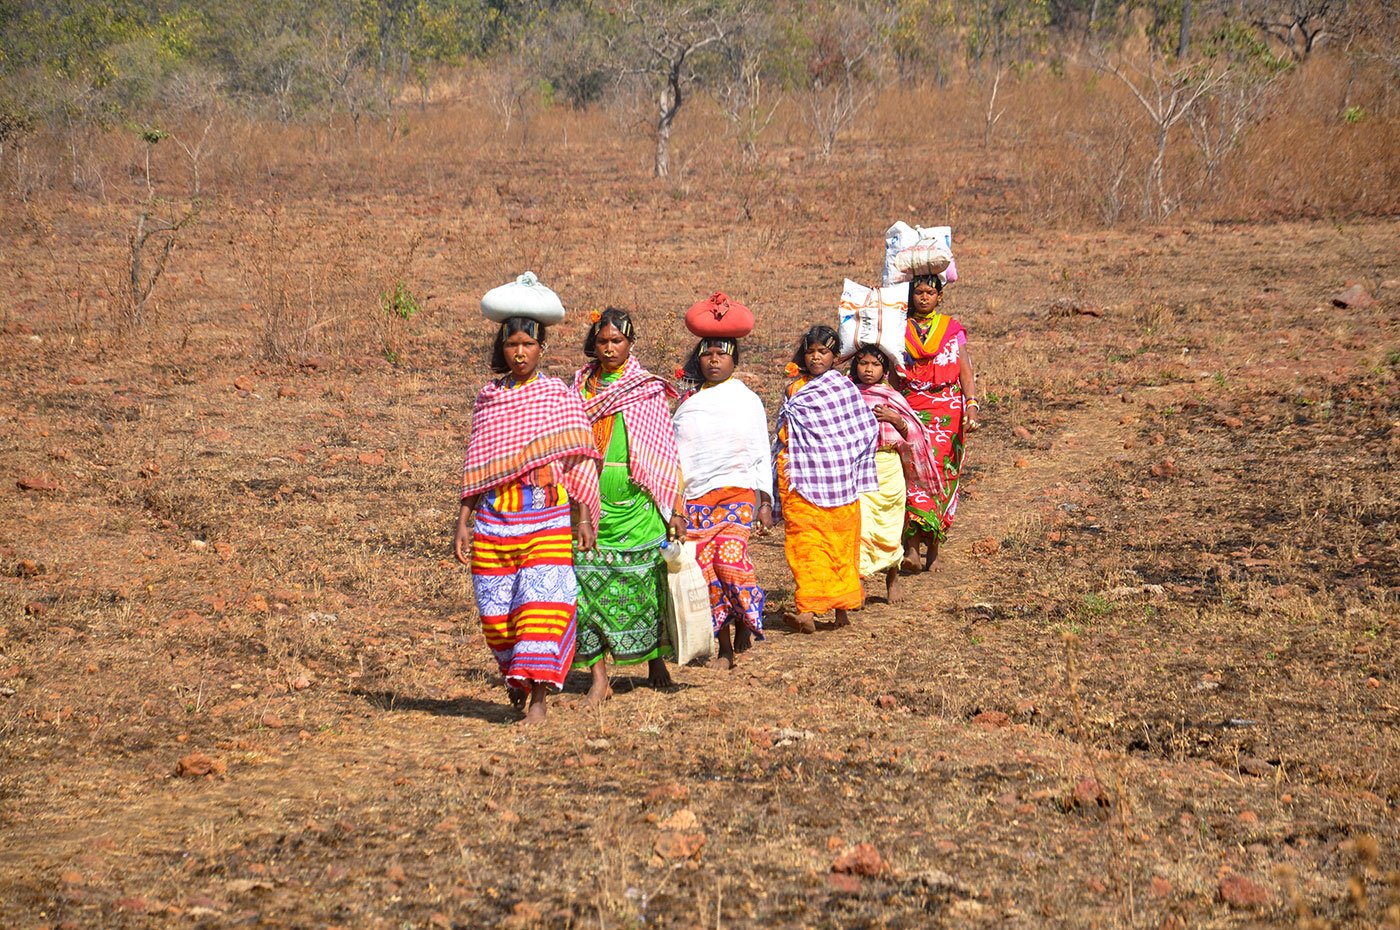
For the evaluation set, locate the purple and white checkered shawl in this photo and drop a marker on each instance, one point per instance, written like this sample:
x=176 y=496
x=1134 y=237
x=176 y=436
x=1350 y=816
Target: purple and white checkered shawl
x=831 y=441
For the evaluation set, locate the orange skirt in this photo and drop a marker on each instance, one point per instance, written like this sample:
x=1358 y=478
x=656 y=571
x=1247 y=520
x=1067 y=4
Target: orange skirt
x=823 y=550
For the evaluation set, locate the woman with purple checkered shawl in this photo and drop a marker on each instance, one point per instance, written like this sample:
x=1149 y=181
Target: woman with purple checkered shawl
x=825 y=459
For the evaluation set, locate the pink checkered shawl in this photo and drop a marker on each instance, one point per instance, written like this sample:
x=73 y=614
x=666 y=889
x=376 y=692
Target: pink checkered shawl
x=642 y=398
x=916 y=450
x=516 y=430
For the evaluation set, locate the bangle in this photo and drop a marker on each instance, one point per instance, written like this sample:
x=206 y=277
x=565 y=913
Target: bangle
x=972 y=402
x=765 y=504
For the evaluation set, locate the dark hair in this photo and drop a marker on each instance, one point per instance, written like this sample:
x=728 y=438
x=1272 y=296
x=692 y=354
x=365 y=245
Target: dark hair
x=935 y=279
x=817 y=335
x=874 y=352
x=609 y=317
x=690 y=371
x=509 y=327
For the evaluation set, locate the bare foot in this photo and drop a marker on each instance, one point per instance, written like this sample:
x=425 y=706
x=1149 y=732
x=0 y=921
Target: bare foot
x=931 y=553
x=842 y=618
x=601 y=689
x=722 y=662
x=658 y=676
x=517 y=696
x=535 y=716
x=892 y=586
x=803 y=622
x=911 y=555
x=743 y=637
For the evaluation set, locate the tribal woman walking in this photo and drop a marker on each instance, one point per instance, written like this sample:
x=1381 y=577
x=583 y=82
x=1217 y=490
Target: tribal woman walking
x=940 y=387
x=722 y=435
x=825 y=457
x=530 y=475
x=622 y=580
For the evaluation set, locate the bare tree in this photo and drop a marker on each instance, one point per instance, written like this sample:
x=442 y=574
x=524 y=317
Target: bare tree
x=1167 y=93
x=744 y=94
x=667 y=40
x=841 y=72
x=1299 y=25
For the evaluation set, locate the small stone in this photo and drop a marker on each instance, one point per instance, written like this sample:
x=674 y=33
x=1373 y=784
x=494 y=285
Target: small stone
x=136 y=905
x=272 y=721
x=396 y=874
x=861 y=859
x=1249 y=765
x=1164 y=469
x=676 y=846
x=509 y=818
x=301 y=684
x=683 y=819
x=1354 y=297
x=1096 y=885
x=1022 y=463
x=1232 y=422
x=1239 y=892
x=197 y=764
x=986 y=546
x=371 y=458
x=887 y=702
x=256 y=604
x=1373 y=683
x=245 y=383
x=841 y=883
x=38 y=483
x=991 y=720
x=1248 y=818
x=667 y=792
x=1022 y=433
x=1160 y=887
x=1089 y=793
x=1157 y=439
x=286 y=390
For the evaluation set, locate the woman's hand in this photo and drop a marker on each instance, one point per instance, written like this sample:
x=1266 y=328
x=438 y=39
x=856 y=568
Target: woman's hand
x=675 y=528
x=765 y=517
x=974 y=419
x=462 y=544
x=887 y=414
x=585 y=536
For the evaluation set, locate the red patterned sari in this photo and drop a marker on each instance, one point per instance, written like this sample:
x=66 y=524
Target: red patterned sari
x=932 y=355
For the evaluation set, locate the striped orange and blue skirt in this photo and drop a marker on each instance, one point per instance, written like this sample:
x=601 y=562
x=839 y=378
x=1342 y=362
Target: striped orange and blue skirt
x=523 y=575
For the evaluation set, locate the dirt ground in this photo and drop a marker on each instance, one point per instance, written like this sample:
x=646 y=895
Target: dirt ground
x=1152 y=682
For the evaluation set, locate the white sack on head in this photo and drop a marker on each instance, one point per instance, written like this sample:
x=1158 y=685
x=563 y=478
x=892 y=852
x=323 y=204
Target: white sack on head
x=525 y=296
x=873 y=316
x=925 y=257
x=899 y=236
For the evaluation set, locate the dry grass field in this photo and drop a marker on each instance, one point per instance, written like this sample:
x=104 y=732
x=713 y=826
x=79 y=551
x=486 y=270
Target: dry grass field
x=1153 y=682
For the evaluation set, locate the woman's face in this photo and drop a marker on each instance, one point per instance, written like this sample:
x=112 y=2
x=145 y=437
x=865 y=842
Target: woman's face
x=869 y=370
x=522 y=352
x=611 y=348
x=716 y=365
x=925 y=299
x=818 y=359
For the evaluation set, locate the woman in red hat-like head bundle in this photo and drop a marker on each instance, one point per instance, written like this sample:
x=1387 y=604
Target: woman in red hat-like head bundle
x=722 y=437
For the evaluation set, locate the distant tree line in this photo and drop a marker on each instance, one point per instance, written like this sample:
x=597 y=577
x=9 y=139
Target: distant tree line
x=74 y=64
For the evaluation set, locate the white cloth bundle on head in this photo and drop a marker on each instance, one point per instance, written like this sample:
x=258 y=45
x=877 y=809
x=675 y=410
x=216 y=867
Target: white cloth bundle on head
x=525 y=296
x=909 y=250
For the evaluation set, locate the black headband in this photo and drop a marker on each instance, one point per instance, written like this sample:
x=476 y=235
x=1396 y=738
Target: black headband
x=527 y=325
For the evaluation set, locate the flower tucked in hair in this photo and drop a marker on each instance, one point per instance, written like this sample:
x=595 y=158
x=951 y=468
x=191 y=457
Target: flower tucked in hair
x=680 y=372
x=595 y=315
x=792 y=371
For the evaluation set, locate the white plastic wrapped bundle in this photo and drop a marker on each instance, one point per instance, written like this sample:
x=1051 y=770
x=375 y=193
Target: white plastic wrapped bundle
x=897 y=238
x=901 y=237
x=525 y=296
x=872 y=316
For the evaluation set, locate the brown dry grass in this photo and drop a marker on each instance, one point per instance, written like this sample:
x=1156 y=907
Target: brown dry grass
x=247 y=557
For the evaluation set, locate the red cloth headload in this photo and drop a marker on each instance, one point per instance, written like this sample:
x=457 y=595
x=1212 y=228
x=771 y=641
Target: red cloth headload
x=719 y=317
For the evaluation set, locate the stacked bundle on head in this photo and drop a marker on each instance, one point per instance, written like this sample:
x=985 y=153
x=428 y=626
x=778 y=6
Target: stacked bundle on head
x=719 y=317
x=525 y=296
x=915 y=250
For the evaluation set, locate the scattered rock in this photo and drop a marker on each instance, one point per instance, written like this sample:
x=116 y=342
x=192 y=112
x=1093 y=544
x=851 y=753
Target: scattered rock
x=1250 y=765
x=683 y=820
x=991 y=720
x=986 y=546
x=676 y=846
x=1164 y=469
x=38 y=483
x=861 y=859
x=841 y=883
x=371 y=458
x=1089 y=793
x=1160 y=887
x=1231 y=422
x=522 y=917
x=1022 y=433
x=245 y=383
x=1239 y=892
x=662 y=793
x=1022 y=463
x=396 y=874
x=272 y=721
x=887 y=702
x=198 y=764
x=301 y=683
x=1354 y=297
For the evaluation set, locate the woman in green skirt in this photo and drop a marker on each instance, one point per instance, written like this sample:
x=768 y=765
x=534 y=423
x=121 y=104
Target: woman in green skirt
x=622 y=581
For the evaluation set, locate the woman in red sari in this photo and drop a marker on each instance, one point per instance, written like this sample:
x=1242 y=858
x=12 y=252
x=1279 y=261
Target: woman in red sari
x=939 y=384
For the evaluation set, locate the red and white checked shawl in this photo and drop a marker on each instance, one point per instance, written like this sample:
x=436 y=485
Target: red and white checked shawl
x=517 y=430
x=641 y=397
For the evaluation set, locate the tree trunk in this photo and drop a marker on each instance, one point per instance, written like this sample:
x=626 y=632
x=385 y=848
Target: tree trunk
x=1183 y=42
x=668 y=104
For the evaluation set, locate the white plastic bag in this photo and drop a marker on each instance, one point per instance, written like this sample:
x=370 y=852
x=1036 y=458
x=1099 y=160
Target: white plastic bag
x=902 y=236
x=897 y=238
x=873 y=316
x=525 y=296
x=688 y=618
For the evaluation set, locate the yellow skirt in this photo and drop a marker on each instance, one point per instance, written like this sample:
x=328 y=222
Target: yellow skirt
x=882 y=516
x=823 y=550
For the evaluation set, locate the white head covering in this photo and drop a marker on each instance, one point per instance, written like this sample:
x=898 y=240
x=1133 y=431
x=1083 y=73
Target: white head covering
x=525 y=296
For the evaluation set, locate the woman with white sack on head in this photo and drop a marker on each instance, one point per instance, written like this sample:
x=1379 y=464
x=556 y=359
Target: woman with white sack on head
x=938 y=382
x=529 y=495
x=622 y=580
